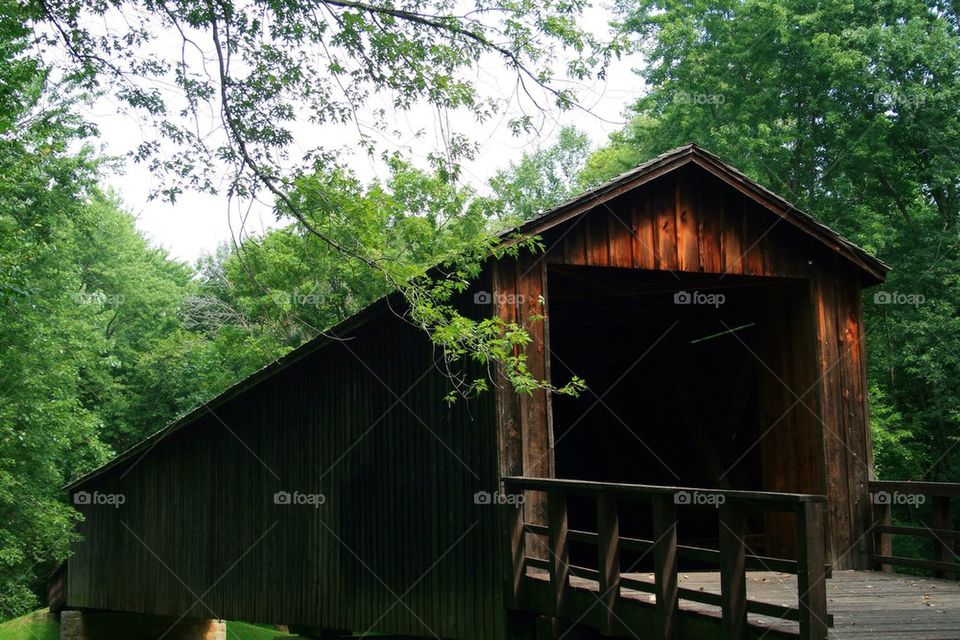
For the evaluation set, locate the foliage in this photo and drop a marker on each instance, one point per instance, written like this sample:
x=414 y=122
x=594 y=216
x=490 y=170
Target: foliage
x=490 y=341
x=293 y=277
x=131 y=294
x=46 y=435
x=288 y=286
x=247 y=631
x=542 y=179
x=104 y=339
x=892 y=456
x=278 y=65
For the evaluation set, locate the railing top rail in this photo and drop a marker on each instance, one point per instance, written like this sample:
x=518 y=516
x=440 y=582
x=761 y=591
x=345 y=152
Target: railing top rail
x=766 y=498
x=933 y=489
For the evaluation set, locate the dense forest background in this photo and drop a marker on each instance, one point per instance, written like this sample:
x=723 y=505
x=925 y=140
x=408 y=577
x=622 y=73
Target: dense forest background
x=848 y=109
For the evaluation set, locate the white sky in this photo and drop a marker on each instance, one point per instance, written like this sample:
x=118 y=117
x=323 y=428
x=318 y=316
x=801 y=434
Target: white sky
x=197 y=223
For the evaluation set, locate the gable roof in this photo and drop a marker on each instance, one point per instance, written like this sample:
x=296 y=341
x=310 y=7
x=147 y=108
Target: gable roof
x=873 y=269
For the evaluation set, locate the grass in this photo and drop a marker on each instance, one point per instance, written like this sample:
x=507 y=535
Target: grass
x=247 y=631
x=40 y=625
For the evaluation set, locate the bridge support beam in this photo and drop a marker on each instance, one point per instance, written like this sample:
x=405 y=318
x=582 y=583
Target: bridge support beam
x=119 y=625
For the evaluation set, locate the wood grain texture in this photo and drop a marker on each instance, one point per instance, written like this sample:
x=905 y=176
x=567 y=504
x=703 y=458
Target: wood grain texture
x=200 y=534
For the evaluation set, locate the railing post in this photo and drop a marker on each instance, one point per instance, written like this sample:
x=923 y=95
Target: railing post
x=557 y=550
x=733 y=571
x=883 y=544
x=811 y=571
x=513 y=515
x=608 y=552
x=665 y=562
x=943 y=544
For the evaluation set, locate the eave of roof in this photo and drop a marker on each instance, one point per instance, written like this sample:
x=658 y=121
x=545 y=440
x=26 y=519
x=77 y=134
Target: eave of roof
x=874 y=270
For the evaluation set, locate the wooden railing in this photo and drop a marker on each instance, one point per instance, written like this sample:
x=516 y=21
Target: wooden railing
x=885 y=495
x=732 y=555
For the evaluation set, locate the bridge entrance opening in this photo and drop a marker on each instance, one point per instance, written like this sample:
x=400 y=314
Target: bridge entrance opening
x=694 y=380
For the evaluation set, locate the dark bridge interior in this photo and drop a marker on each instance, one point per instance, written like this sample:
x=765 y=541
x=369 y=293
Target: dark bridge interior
x=675 y=383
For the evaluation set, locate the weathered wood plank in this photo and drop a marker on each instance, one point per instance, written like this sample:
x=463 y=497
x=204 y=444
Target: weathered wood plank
x=201 y=500
x=733 y=583
x=811 y=577
x=688 y=250
x=864 y=605
x=598 y=237
x=608 y=555
x=943 y=544
x=707 y=194
x=621 y=231
x=644 y=223
x=663 y=206
x=558 y=559
x=665 y=564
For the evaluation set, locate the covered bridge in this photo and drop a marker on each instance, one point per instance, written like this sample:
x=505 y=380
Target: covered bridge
x=709 y=483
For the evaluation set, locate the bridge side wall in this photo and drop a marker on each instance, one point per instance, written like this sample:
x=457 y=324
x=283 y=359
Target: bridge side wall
x=339 y=494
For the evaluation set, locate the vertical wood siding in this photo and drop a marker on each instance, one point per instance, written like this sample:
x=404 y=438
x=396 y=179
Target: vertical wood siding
x=398 y=547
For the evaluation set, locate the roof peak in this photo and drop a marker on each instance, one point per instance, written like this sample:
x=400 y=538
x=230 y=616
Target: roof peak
x=673 y=159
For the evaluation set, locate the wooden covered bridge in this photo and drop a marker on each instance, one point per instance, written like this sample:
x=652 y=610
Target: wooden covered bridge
x=714 y=481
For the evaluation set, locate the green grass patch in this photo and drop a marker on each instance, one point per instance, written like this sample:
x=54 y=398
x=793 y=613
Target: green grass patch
x=39 y=625
x=247 y=631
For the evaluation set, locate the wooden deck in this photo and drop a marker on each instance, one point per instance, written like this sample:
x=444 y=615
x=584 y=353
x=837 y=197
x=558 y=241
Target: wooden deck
x=864 y=604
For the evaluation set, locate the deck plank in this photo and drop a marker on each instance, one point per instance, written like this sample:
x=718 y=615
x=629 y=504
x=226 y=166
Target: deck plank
x=864 y=604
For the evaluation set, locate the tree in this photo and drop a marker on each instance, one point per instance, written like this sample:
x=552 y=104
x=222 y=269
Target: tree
x=45 y=434
x=273 y=293
x=541 y=179
x=131 y=295
x=260 y=70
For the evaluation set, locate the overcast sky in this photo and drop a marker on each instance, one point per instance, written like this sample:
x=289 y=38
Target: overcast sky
x=197 y=223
